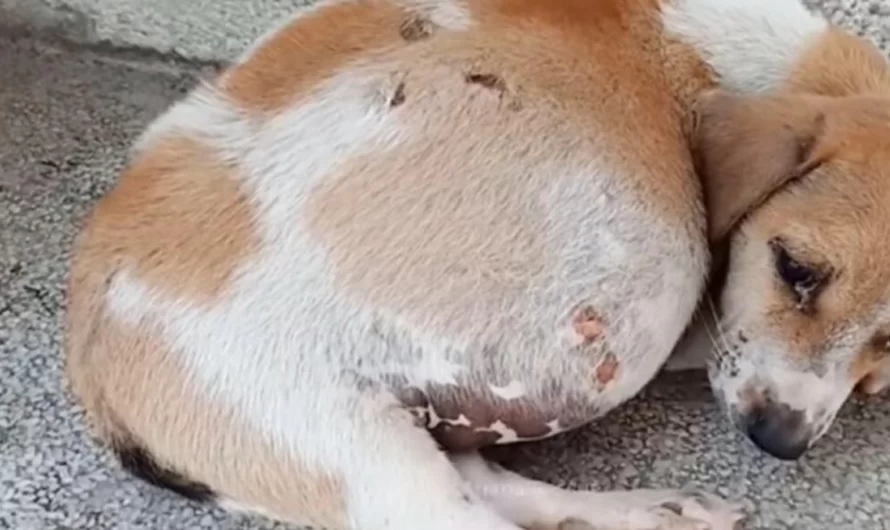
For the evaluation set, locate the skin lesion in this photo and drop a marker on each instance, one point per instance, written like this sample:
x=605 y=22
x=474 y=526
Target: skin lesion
x=398 y=96
x=607 y=370
x=588 y=325
x=416 y=28
x=474 y=412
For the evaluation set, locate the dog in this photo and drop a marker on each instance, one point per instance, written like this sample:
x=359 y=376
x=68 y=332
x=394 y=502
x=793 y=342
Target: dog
x=396 y=232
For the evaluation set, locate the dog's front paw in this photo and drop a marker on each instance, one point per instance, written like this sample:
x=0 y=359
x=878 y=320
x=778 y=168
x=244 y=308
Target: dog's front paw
x=693 y=510
x=656 y=510
x=877 y=382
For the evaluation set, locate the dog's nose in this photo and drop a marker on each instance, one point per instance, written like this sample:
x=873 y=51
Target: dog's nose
x=778 y=430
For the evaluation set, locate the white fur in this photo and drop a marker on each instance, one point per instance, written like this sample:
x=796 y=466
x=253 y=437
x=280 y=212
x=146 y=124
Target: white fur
x=205 y=114
x=514 y=390
x=816 y=387
x=751 y=44
x=536 y=504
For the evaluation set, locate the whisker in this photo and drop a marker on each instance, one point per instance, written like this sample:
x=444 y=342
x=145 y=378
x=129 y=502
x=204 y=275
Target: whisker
x=721 y=335
x=714 y=342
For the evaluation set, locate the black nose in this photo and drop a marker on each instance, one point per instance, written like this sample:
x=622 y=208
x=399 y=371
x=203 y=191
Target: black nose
x=778 y=430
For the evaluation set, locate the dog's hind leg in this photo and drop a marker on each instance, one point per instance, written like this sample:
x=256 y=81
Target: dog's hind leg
x=538 y=505
x=397 y=478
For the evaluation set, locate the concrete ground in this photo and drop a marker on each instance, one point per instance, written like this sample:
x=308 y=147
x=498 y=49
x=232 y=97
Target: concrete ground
x=215 y=30
x=205 y=30
x=65 y=123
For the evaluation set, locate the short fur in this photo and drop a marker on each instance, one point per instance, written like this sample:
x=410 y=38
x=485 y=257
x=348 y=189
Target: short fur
x=398 y=231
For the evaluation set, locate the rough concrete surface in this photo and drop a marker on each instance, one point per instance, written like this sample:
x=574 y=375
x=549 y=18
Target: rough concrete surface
x=203 y=30
x=66 y=121
x=217 y=30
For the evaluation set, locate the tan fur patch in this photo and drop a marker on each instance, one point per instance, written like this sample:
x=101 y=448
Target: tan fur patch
x=836 y=219
x=178 y=219
x=868 y=362
x=635 y=65
x=395 y=222
x=688 y=73
x=299 y=57
x=829 y=133
x=394 y=225
x=143 y=395
x=840 y=64
x=748 y=148
x=872 y=372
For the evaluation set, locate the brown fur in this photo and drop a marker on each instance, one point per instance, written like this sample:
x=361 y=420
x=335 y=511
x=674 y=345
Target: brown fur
x=872 y=371
x=748 y=148
x=840 y=64
x=840 y=222
x=311 y=49
x=177 y=219
x=484 y=74
x=151 y=395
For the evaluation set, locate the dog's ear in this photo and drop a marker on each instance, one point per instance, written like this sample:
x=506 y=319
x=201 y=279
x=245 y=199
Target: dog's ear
x=748 y=147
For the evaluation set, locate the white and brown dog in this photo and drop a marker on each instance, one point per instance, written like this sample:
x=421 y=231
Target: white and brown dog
x=398 y=231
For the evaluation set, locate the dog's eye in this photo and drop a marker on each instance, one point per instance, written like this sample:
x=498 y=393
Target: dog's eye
x=802 y=279
x=794 y=273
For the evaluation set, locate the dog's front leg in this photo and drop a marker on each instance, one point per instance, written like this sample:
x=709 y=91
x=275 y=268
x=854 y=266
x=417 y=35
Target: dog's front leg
x=536 y=505
x=878 y=380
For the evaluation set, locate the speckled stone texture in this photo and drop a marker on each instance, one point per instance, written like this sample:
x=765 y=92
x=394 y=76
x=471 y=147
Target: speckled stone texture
x=65 y=123
x=202 y=30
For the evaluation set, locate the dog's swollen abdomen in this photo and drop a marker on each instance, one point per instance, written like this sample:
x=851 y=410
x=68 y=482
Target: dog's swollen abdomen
x=138 y=461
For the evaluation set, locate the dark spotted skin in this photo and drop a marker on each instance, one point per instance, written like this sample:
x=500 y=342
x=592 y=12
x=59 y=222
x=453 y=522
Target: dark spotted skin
x=461 y=417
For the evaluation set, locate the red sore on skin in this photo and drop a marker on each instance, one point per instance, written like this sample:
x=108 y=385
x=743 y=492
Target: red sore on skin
x=606 y=370
x=588 y=324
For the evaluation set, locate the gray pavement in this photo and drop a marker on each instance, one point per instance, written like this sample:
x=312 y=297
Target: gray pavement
x=66 y=121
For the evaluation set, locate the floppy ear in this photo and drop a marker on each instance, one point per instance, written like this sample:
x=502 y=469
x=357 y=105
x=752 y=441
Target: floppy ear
x=748 y=147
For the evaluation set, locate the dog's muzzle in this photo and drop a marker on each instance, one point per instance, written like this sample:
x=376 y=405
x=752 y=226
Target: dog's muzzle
x=778 y=430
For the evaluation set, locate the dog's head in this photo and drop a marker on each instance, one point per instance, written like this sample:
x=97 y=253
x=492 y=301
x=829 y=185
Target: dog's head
x=798 y=192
